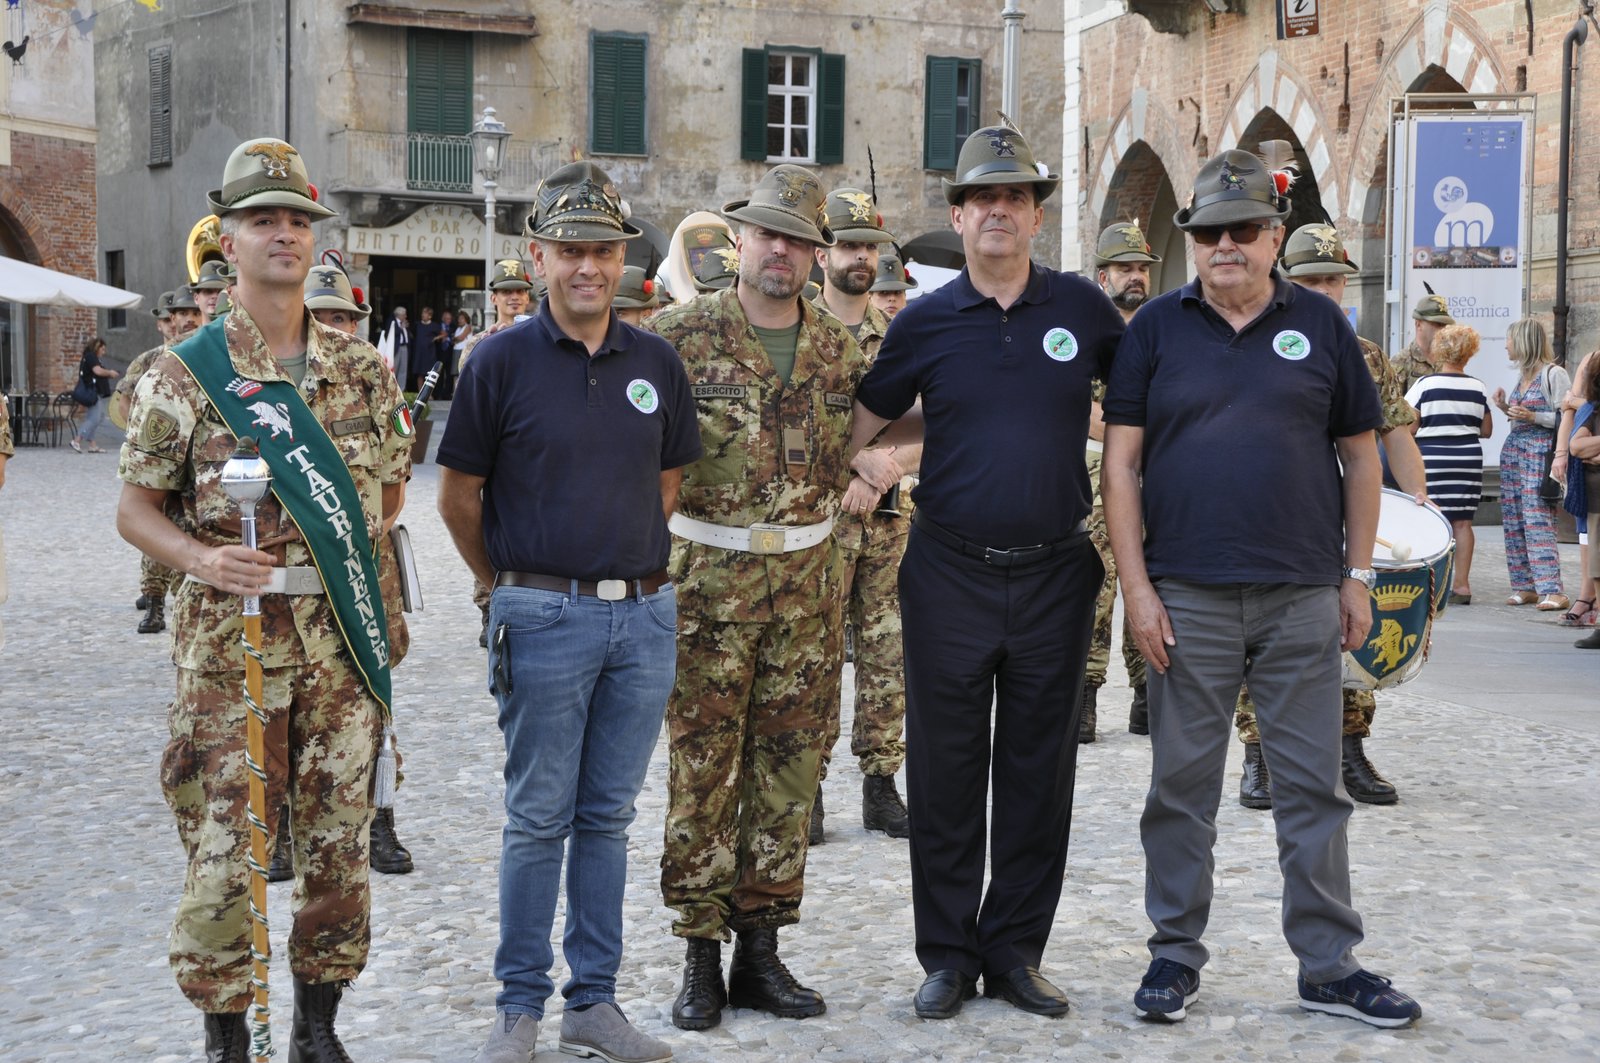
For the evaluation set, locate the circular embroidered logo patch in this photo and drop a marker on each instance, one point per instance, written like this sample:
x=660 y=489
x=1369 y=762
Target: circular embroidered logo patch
x=642 y=394
x=1291 y=345
x=1061 y=345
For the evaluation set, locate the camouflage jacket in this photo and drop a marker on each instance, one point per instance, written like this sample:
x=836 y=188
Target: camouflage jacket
x=7 y=447
x=1397 y=412
x=122 y=398
x=774 y=453
x=466 y=351
x=1410 y=366
x=848 y=527
x=178 y=442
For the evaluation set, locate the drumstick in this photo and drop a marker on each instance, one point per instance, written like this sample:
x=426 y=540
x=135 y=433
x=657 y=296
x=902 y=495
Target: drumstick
x=1399 y=551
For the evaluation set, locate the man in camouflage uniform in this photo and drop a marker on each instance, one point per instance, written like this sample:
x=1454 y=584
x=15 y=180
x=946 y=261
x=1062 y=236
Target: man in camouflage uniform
x=757 y=571
x=1314 y=257
x=1431 y=314
x=181 y=315
x=213 y=281
x=322 y=725
x=870 y=544
x=1123 y=258
x=7 y=447
x=888 y=293
x=509 y=295
x=636 y=299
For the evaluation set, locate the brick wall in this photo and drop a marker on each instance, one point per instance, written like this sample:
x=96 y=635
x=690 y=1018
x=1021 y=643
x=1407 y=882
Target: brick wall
x=1184 y=98
x=49 y=193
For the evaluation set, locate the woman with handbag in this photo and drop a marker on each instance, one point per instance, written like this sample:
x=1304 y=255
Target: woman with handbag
x=1534 y=408
x=94 y=386
x=1585 y=447
x=1575 y=414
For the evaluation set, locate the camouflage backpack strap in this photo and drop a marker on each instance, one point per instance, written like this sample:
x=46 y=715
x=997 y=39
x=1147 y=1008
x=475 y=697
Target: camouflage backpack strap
x=310 y=479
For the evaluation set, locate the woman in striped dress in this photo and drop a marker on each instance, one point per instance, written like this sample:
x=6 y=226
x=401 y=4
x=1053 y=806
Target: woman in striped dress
x=1452 y=416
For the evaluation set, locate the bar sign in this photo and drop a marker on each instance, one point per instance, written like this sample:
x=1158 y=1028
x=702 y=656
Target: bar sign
x=1298 y=18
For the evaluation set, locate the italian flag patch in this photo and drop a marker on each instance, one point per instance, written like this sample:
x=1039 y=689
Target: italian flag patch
x=401 y=419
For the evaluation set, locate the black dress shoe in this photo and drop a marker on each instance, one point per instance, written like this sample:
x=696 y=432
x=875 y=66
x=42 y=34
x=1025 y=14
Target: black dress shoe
x=1027 y=989
x=942 y=994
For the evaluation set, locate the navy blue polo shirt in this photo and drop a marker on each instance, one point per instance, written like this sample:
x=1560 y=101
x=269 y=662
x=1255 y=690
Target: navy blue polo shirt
x=1005 y=397
x=572 y=447
x=1241 y=478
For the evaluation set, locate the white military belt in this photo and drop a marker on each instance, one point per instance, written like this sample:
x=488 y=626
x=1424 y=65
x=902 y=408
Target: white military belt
x=293 y=579
x=755 y=539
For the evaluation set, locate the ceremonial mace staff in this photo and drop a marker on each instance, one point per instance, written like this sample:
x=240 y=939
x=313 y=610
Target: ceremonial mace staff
x=245 y=479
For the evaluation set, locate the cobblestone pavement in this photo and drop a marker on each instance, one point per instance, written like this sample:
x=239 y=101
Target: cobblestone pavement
x=1478 y=889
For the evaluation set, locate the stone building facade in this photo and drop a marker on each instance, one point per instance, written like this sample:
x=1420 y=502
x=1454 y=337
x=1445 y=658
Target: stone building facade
x=1164 y=84
x=684 y=104
x=47 y=189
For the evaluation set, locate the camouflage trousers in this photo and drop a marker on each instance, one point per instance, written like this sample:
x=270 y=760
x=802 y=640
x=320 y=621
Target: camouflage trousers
x=870 y=576
x=1099 y=663
x=322 y=738
x=1359 y=706
x=155 y=579
x=393 y=603
x=749 y=714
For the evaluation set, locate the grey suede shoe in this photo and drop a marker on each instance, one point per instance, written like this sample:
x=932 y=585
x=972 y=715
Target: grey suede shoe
x=511 y=1040
x=602 y=1031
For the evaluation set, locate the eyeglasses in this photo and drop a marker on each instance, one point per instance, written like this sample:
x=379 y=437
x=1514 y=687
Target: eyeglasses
x=1243 y=233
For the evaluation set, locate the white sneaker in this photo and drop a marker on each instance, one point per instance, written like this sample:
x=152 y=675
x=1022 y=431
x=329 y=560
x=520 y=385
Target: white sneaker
x=511 y=1041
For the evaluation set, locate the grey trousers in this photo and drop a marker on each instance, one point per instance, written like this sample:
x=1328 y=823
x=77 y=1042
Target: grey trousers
x=1285 y=639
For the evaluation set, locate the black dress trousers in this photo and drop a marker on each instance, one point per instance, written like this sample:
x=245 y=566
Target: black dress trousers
x=1014 y=639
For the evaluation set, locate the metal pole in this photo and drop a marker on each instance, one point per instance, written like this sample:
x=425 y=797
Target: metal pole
x=1010 y=103
x=488 y=242
x=1569 y=46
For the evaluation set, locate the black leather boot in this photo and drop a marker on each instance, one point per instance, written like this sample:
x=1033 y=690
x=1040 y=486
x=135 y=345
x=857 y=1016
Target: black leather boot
x=315 y=1005
x=282 y=867
x=881 y=807
x=814 y=832
x=388 y=855
x=1255 y=788
x=155 y=616
x=1361 y=779
x=758 y=979
x=1139 y=714
x=142 y=602
x=703 y=996
x=1087 y=722
x=227 y=1037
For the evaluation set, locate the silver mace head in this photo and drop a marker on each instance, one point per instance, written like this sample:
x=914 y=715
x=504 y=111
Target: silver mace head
x=246 y=476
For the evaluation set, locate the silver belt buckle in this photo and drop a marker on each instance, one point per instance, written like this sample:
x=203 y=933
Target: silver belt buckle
x=611 y=590
x=767 y=538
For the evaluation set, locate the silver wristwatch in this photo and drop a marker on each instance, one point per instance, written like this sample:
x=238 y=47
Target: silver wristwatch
x=1367 y=576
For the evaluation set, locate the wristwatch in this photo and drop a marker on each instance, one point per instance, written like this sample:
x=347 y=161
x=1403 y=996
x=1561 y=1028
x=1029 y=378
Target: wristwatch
x=1366 y=576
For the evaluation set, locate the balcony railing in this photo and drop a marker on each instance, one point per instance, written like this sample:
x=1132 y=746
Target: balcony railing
x=428 y=162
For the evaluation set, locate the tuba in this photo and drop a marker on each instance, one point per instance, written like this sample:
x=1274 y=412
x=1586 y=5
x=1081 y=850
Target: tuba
x=203 y=245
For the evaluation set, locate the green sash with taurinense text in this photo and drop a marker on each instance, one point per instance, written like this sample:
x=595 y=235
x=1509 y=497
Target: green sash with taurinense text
x=311 y=481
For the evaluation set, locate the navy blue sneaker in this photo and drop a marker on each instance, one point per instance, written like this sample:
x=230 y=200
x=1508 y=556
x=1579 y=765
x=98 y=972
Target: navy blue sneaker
x=1364 y=996
x=1168 y=988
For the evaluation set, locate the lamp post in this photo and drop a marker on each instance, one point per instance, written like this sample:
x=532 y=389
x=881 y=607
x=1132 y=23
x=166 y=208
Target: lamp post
x=489 y=138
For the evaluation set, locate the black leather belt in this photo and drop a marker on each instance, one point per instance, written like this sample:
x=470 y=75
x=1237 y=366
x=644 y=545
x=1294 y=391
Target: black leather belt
x=989 y=555
x=609 y=590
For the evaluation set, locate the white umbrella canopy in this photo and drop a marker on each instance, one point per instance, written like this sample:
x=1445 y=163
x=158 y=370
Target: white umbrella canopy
x=21 y=282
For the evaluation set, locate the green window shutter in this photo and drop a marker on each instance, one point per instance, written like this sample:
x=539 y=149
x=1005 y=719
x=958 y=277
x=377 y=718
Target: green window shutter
x=830 y=109
x=160 y=58
x=439 y=82
x=753 y=106
x=617 y=94
x=939 y=115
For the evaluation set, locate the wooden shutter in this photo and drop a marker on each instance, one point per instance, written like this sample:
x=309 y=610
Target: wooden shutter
x=161 y=105
x=753 y=106
x=939 y=114
x=439 y=82
x=617 y=94
x=830 y=109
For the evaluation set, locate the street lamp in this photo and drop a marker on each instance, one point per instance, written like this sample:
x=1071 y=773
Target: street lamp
x=489 y=138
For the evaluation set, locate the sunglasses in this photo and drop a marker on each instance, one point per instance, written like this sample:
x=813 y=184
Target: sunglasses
x=1243 y=233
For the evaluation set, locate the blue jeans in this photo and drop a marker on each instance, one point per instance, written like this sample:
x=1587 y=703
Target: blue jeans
x=582 y=688
x=93 y=418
